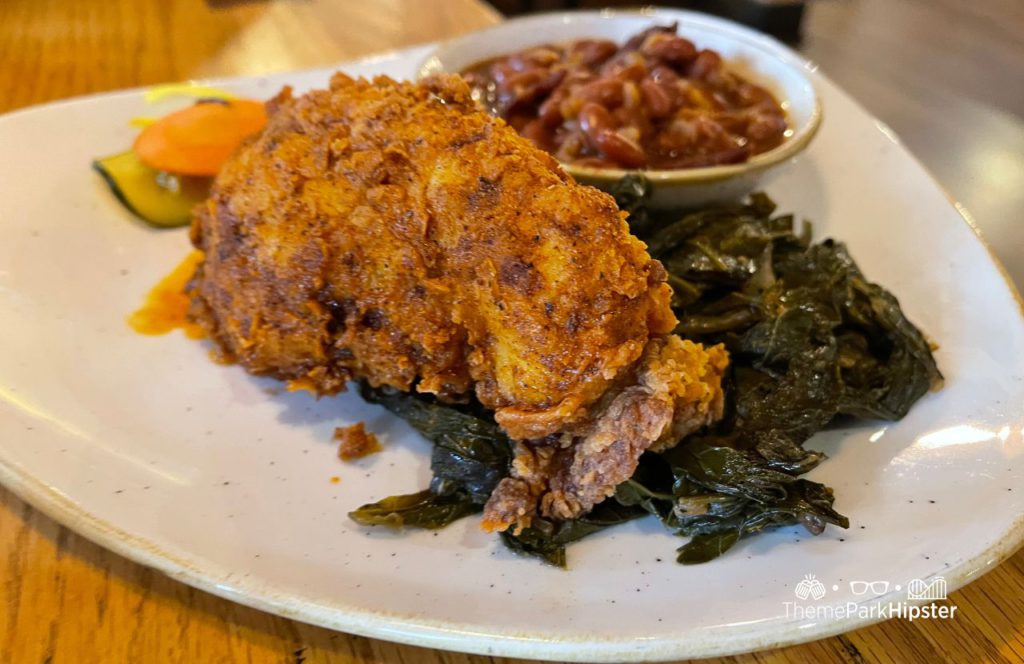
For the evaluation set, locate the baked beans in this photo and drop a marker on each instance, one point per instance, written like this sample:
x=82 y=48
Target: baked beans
x=655 y=102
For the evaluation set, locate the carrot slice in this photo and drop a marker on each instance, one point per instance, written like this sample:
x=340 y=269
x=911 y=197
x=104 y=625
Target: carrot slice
x=198 y=139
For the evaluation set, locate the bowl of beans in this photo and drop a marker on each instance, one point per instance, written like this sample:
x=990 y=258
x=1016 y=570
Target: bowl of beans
x=700 y=106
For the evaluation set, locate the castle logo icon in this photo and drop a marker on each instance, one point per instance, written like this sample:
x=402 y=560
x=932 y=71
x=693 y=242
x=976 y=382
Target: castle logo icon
x=921 y=590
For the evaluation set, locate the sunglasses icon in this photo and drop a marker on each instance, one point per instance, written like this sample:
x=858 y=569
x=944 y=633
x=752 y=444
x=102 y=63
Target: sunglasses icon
x=876 y=587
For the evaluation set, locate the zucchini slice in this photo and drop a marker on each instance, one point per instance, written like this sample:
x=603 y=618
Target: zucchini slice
x=160 y=199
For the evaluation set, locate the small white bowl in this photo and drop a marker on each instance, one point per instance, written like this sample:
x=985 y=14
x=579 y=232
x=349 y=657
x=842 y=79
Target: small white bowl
x=756 y=57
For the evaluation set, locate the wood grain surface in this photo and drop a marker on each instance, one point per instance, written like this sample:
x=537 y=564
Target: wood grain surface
x=64 y=599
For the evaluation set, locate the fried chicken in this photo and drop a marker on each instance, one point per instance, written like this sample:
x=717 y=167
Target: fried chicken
x=676 y=389
x=392 y=232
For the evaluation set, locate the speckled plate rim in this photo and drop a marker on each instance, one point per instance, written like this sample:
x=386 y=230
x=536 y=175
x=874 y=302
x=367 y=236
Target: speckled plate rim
x=419 y=631
x=792 y=146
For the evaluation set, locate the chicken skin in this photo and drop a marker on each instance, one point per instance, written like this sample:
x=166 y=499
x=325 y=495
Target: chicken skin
x=392 y=232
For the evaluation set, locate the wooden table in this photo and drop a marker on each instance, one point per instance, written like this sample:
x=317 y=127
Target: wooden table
x=65 y=599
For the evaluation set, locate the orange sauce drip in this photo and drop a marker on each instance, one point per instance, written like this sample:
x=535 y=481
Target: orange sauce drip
x=166 y=305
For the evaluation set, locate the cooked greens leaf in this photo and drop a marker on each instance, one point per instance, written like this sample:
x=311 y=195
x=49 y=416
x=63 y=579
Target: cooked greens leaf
x=471 y=453
x=632 y=193
x=470 y=456
x=804 y=503
x=809 y=339
x=712 y=463
x=547 y=539
x=704 y=548
x=425 y=509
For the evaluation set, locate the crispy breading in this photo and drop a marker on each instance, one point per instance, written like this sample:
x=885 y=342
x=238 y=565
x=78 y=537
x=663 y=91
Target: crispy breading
x=355 y=442
x=392 y=232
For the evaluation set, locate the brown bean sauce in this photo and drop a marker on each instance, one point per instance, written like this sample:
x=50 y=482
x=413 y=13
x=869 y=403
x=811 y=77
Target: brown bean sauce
x=656 y=102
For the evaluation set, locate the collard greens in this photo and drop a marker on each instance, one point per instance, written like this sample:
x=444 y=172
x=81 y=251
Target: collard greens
x=810 y=340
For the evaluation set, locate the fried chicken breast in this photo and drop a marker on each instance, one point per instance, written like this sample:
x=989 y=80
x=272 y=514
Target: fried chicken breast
x=392 y=232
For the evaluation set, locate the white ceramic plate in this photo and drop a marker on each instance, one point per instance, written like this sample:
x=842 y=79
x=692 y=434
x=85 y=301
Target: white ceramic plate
x=197 y=469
